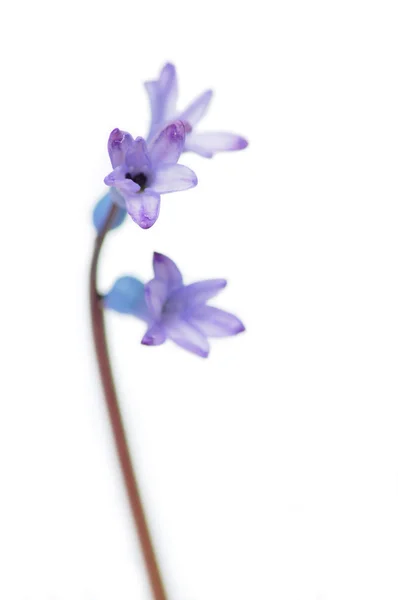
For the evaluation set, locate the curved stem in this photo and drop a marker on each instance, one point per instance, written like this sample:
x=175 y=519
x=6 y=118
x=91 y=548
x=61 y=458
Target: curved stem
x=116 y=421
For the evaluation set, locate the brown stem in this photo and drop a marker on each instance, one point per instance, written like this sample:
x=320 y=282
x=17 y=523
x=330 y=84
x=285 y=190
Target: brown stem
x=115 y=417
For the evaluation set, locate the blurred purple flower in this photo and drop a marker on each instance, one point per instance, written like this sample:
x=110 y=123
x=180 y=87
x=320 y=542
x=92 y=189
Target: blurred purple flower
x=142 y=172
x=180 y=312
x=163 y=94
x=174 y=310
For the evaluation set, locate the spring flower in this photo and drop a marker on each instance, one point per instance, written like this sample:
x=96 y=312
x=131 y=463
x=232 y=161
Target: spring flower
x=163 y=95
x=142 y=172
x=173 y=310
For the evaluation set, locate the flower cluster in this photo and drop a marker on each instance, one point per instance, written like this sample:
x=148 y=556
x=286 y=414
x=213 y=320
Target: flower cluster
x=143 y=170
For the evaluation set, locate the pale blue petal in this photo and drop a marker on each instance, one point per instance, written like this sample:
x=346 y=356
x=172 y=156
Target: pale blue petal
x=101 y=212
x=127 y=296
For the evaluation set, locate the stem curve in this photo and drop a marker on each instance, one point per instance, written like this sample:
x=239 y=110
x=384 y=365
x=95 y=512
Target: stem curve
x=116 y=420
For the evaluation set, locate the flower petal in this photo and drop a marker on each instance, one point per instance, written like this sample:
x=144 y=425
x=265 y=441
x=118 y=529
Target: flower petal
x=127 y=296
x=143 y=208
x=163 y=98
x=168 y=86
x=156 y=293
x=173 y=178
x=137 y=158
x=166 y=270
x=155 y=336
x=168 y=145
x=187 y=336
x=118 y=144
x=206 y=144
x=195 y=294
x=214 y=322
x=101 y=212
x=117 y=179
x=156 y=105
x=197 y=110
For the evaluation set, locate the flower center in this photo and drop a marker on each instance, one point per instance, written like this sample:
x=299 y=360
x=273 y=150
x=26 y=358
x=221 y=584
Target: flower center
x=140 y=179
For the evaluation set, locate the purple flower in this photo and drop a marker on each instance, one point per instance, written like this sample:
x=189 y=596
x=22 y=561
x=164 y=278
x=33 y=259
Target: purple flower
x=179 y=312
x=174 y=310
x=163 y=95
x=142 y=172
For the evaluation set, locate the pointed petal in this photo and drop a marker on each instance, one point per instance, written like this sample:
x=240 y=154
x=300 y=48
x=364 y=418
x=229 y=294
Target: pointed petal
x=166 y=270
x=197 y=110
x=162 y=95
x=144 y=208
x=155 y=336
x=168 y=86
x=101 y=212
x=195 y=294
x=118 y=144
x=127 y=296
x=168 y=145
x=156 y=293
x=207 y=144
x=187 y=336
x=156 y=105
x=214 y=322
x=173 y=178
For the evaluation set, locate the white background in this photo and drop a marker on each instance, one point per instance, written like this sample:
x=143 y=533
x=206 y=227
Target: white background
x=270 y=471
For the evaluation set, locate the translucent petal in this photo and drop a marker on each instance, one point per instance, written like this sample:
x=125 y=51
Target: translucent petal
x=197 y=110
x=144 y=208
x=168 y=86
x=162 y=95
x=156 y=293
x=173 y=178
x=187 y=336
x=196 y=294
x=214 y=322
x=166 y=270
x=207 y=144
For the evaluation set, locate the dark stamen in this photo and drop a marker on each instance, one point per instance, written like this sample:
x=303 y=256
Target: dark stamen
x=140 y=179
